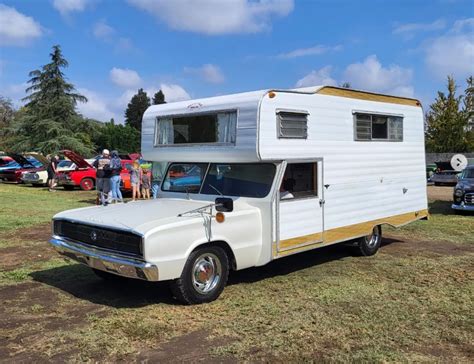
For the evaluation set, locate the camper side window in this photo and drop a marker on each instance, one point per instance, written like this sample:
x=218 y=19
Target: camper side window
x=299 y=181
x=292 y=125
x=375 y=127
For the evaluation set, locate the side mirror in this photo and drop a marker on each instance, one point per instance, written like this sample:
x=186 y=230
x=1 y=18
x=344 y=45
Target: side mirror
x=224 y=204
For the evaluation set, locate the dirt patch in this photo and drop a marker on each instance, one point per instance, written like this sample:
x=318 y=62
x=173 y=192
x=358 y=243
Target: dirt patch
x=30 y=314
x=444 y=193
x=401 y=247
x=189 y=348
x=41 y=232
x=16 y=256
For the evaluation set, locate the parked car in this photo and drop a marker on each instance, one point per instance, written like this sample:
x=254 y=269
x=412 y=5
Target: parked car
x=82 y=176
x=430 y=170
x=40 y=178
x=4 y=160
x=447 y=178
x=13 y=172
x=463 y=195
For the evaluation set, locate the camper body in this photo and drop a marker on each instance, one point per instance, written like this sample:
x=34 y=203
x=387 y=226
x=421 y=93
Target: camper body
x=257 y=176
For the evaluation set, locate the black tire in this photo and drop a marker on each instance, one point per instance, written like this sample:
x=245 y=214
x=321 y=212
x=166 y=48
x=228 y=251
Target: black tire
x=370 y=244
x=185 y=289
x=68 y=187
x=106 y=276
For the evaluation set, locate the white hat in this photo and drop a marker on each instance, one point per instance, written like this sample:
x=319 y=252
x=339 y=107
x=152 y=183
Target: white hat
x=105 y=152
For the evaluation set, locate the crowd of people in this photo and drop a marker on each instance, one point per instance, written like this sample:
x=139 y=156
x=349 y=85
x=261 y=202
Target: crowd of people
x=108 y=178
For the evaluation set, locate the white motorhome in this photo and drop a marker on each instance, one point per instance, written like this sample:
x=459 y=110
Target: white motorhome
x=254 y=177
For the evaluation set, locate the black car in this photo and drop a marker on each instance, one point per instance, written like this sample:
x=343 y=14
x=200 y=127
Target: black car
x=464 y=191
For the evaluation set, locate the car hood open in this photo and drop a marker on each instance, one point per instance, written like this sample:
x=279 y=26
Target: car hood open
x=77 y=159
x=21 y=160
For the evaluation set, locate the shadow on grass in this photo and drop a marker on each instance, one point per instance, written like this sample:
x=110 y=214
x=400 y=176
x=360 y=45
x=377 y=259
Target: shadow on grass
x=439 y=207
x=79 y=280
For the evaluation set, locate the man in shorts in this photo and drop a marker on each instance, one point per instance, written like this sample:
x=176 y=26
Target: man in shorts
x=102 y=164
x=52 y=170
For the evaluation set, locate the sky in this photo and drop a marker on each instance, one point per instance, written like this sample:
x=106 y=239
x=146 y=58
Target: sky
x=199 y=48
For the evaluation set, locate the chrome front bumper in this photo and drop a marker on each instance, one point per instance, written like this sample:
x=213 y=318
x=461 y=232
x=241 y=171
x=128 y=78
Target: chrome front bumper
x=463 y=207
x=102 y=260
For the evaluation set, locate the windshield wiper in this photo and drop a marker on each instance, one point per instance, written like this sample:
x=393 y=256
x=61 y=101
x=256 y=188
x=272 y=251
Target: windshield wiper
x=215 y=189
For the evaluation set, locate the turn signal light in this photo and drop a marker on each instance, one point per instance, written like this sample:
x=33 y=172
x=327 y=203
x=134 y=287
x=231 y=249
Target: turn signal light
x=271 y=94
x=220 y=217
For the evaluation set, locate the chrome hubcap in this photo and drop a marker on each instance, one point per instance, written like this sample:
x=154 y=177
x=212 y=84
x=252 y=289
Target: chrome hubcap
x=373 y=238
x=207 y=272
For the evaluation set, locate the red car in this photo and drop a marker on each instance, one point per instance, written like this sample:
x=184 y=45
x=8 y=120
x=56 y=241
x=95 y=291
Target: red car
x=31 y=162
x=83 y=176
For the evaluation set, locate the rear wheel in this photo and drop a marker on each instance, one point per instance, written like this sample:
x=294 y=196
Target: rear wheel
x=87 y=184
x=370 y=244
x=204 y=276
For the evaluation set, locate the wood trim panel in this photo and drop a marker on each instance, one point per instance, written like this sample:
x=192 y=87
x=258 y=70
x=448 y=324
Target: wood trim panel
x=344 y=233
x=369 y=96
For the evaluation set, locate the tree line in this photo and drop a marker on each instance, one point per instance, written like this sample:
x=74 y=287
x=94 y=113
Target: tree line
x=49 y=120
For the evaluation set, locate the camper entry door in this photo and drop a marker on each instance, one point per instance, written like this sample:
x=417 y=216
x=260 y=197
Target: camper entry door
x=301 y=205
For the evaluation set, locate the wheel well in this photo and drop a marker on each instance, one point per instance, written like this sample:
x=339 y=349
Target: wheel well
x=91 y=178
x=227 y=249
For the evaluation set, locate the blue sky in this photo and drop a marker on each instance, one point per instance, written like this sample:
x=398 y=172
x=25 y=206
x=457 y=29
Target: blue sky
x=199 y=48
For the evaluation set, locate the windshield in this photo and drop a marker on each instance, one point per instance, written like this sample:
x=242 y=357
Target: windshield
x=468 y=173
x=228 y=179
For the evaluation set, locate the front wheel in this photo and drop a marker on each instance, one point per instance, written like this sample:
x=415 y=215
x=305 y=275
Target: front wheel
x=370 y=244
x=204 y=276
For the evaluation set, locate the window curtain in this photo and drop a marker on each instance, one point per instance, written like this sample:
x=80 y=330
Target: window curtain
x=226 y=127
x=165 y=132
x=396 y=128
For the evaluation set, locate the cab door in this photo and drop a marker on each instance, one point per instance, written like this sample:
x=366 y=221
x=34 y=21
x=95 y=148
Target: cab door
x=301 y=206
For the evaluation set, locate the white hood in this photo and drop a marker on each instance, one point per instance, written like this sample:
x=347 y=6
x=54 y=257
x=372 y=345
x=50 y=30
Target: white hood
x=134 y=215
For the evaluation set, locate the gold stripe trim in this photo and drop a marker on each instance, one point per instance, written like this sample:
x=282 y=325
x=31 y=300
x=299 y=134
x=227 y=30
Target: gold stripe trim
x=293 y=245
x=369 y=96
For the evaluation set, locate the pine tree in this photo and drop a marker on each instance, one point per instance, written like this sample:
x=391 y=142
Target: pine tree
x=447 y=123
x=49 y=121
x=159 y=98
x=136 y=108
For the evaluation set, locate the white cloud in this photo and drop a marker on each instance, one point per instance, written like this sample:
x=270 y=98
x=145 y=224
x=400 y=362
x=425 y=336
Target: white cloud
x=452 y=53
x=97 y=107
x=15 y=92
x=370 y=75
x=216 y=17
x=103 y=31
x=317 y=77
x=126 y=78
x=408 y=30
x=312 y=51
x=65 y=7
x=16 y=28
x=174 y=92
x=208 y=72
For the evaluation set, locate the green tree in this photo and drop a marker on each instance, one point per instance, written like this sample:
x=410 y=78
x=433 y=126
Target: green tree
x=159 y=98
x=346 y=85
x=7 y=113
x=136 y=108
x=49 y=121
x=469 y=109
x=124 y=138
x=447 y=123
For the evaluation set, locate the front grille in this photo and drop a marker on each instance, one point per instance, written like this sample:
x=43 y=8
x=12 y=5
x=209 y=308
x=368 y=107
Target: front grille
x=122 y=242
x=469 y=198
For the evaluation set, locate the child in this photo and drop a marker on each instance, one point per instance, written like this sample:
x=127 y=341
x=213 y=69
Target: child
x=146 y=184
x=135 y=180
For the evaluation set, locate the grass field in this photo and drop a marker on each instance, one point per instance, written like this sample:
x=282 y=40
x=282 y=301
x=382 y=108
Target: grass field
x=413 y=301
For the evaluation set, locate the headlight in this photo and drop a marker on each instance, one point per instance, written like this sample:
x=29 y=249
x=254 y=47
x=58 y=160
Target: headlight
x=458 y=193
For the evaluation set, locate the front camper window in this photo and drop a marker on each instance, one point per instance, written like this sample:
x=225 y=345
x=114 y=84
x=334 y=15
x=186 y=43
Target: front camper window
x=378 y=127
x=215 y=128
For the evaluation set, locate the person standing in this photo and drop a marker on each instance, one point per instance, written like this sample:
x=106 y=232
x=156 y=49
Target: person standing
x=102 y=164
x=146 y=184
x=135 y=180
x=115 y=169
x=52 y=170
